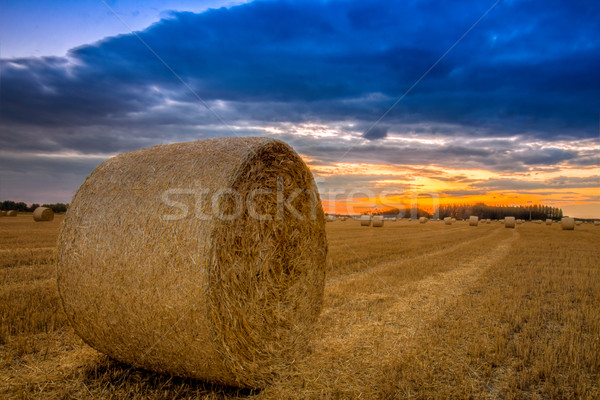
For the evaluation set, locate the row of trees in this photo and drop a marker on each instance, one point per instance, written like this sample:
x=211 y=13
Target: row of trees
x=23 y=207
x=537 y=211
x=483 y=211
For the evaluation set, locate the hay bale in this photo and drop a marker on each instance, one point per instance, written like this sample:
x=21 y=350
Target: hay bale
x=453 y=220
x=365 y=220
x=11 y=213
x=223 y=293
x=548 y=221
x=578 y=222
x=509 y=222
x=568 y=224
x=378 y=221
x=596 y=223
x=342 y=219
x=41 y=214
x=423 y=220
x=331 y=218
x=519 y=221
x=448 y=221
x=473 y=220
x=488 y=221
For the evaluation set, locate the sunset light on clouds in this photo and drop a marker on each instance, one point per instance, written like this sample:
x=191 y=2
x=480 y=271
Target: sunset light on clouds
x=477 y=101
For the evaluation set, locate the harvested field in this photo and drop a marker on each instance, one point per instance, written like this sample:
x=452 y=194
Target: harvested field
x=410 y=310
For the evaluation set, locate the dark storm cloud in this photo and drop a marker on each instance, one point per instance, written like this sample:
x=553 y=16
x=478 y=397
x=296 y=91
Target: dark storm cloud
x=528 y=70
x=375 y=133
x=526 y=65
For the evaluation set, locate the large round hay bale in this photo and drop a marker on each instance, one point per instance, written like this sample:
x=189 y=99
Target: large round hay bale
x=548 y=221
x=378 y=221
x=448 y=221
x=203 y=259
x=11 y=213
x=365 y=220
x=568 y=224
x=473 y=220
x=509 y=222
x=41 y=214
x=423 y=220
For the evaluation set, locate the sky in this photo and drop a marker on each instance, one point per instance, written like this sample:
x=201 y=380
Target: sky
x=469 y=101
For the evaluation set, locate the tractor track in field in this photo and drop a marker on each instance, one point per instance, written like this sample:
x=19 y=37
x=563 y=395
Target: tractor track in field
x=367 y=321
x=380 y=265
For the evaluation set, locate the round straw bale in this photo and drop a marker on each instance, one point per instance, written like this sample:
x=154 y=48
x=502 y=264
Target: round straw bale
x=548 y=221
x=519 y=221
x=473 y=220
x=568 y=224
x=453 y=220
x=448 y=221
x=378 y=221
x=509 y=222
x=11 y=213
x=331 y=218
x=342 y=219
x=43 y=214
x=365 y=220
x=423 y=220
x=212 y=266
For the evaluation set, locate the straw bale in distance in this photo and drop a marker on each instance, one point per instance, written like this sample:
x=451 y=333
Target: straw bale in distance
x=378 y=221
x=578 y=222
x=448 y=221
x=568 y=224
x=509 y=222
x=365 y=220
x=231 y=301
x=41 y=214
x=423 y=220
x=596 y=223
x=548 y=221
x=11 y=213
x=473 y=220
x=331 y=218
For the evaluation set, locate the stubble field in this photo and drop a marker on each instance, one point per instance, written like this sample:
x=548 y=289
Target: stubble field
x=411 y=311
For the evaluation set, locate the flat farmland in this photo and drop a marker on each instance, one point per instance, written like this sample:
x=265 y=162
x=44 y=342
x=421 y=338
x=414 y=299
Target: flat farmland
x=410 y=311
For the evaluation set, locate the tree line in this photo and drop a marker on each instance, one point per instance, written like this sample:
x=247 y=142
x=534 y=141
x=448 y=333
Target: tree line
x=20 y=206
x=483 y=211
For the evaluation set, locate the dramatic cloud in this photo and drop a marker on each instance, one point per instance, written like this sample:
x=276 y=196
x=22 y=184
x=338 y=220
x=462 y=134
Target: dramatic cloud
x=319 y=74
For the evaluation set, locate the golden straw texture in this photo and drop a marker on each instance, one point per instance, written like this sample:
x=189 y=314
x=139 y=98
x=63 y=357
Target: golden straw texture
x=473 y=220
x=568 y=224
x=176 y=285
x=365 y=220
x=509 y=222
x=43 y=214
x=11 y=213
x=378 y=221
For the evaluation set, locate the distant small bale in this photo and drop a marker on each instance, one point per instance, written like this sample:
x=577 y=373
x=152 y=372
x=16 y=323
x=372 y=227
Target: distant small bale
x=488 y=221
x=448 y=221
x=11 y=213
x=365 y=220
x=509 y=222
x=519 y=221
x=548 y=221
x=204 y=259
x=473 y=220
x=567 y=223
x=42 y=214
x=453 y=220
x=331 y=218
x=578 y=222
x=537 y=221
x=423 y=220
x=342 y=219
x=596 y=223
x=378 y=221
